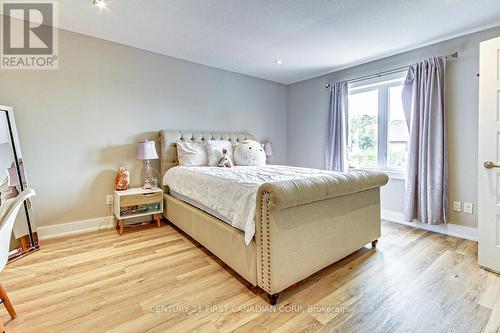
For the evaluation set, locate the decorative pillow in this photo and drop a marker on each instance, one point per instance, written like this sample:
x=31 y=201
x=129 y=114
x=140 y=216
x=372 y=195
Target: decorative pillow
x=250 y=153
x=214 y=151
x=192 y=153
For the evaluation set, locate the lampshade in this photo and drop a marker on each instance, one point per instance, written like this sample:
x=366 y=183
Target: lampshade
x=146 y=151
x=268 y=149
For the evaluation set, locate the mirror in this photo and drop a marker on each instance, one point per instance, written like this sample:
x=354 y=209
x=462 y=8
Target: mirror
x=13 y=180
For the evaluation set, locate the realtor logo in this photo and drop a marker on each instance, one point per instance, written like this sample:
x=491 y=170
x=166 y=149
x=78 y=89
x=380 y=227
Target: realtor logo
x=29 y=39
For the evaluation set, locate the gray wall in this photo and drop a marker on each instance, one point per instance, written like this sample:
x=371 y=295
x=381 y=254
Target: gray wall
x=79 y=123
x=308 y=105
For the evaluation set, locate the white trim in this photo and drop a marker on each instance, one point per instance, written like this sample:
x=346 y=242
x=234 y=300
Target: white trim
x=392 y=173
x=85 y=226
x=449 y=229
x=75 y=228
x=389 y=80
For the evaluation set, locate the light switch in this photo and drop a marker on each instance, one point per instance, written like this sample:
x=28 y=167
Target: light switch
x=457 y=206
x=468 y=207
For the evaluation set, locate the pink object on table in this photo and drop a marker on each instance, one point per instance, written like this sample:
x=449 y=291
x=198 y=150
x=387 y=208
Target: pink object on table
x=122 y=179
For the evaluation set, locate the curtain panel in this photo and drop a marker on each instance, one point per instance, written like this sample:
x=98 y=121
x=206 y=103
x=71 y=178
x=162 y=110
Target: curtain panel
x=336 y=142
x=426 y=197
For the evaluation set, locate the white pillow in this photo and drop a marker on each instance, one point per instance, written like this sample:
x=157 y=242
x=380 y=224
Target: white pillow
x=192 y=153
x=214 y=151
x=250 y=153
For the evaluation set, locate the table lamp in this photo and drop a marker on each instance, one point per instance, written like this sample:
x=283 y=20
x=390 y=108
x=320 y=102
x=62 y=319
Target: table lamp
x=146 y=151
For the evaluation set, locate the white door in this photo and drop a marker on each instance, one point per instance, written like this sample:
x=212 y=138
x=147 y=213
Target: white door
x=489 y=156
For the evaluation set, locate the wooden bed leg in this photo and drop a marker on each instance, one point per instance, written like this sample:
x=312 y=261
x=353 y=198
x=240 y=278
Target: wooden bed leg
x=374 y=243
x=273 y=299
x=120 y=230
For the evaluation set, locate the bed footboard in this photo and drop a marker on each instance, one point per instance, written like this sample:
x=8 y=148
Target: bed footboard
x=305 y=225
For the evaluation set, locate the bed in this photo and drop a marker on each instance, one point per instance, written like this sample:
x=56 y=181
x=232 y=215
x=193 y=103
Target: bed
x=303 y=220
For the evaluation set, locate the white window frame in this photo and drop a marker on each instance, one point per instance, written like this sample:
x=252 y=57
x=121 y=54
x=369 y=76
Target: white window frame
x=382 y=84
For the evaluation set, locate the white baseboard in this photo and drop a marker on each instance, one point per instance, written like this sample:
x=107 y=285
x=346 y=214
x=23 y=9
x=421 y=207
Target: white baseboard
x=74 y=228
x=449 y=229
x=81 y=227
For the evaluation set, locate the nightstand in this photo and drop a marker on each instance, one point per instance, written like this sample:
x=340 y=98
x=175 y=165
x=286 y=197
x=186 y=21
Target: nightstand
x=137 y=202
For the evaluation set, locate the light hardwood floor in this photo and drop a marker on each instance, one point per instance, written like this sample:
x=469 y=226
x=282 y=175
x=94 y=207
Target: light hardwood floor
x=415 y=281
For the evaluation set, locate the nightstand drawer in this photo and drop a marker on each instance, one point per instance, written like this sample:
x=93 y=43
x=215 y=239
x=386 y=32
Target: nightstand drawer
x=140 y=199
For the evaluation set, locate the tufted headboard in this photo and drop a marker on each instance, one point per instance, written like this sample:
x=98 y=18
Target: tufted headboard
x=168 y=151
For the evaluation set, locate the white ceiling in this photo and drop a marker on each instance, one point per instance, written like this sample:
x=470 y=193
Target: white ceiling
x=313 y=37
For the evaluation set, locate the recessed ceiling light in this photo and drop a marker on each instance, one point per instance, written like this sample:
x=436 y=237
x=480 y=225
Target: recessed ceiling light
x=101 y=4
x=278 y=61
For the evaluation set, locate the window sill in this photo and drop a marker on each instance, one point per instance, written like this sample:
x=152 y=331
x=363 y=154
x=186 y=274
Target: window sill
x=393 y=174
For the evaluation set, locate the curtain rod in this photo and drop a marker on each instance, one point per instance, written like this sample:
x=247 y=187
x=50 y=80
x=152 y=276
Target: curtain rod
x=391 y=71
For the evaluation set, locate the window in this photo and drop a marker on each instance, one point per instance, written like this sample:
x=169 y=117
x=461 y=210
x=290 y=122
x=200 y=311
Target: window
x=378 y=135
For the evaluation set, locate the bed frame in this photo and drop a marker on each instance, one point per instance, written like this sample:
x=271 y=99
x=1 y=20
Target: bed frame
x=302 y=226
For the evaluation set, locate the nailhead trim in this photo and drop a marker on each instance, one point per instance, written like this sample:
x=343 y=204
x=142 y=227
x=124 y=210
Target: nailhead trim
x=265 y=242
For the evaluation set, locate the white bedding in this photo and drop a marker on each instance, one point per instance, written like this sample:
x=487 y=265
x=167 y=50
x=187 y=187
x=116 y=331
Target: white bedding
x=231 y=192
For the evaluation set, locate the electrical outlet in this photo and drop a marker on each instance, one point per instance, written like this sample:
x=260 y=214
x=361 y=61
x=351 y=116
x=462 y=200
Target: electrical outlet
x=457 y=206
x=468 y=207
x=109 y=199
